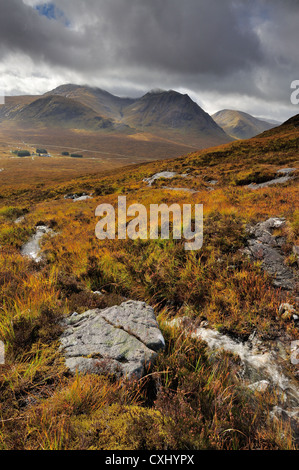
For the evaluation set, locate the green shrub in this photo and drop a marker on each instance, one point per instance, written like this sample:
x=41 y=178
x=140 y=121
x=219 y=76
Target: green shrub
x=23 y=153
x=10 y=213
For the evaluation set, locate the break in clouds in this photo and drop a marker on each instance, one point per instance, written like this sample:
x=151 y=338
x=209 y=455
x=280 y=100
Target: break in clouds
x=239 y=54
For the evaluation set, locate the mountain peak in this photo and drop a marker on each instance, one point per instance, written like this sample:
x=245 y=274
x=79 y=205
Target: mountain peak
x=156 y=91
x=166 y=93
x=102 y=102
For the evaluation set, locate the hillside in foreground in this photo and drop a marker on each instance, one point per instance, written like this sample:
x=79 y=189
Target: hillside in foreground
x=192 y=396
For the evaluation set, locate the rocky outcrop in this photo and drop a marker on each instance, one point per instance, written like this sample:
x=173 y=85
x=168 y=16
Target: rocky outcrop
x=278 y=180
x=281 y=180
x=78 y=197
x=265 y=247
x=163 y=174
x=121 y=340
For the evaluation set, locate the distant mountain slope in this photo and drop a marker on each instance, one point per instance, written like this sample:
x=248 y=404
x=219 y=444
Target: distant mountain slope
x=270 y=121
x=240 y=125
x=56 y=111
x=102 y=102
x=14 y=104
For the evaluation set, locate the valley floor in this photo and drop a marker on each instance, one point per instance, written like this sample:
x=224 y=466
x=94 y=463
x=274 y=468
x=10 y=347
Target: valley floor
x=101 y=152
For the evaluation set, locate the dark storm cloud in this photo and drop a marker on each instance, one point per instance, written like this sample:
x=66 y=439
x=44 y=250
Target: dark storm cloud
x=234 y=47
x=23 y=30
x=185 y=37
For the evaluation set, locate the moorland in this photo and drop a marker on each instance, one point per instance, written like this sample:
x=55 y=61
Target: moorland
x=189 y=399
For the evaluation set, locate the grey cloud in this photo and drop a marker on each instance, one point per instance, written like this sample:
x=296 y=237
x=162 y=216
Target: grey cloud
x=236 y=47
x=186 y=37
x=23 y=30
x=195 y=36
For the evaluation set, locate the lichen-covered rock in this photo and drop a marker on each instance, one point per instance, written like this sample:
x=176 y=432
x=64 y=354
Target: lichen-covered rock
x=122 y=340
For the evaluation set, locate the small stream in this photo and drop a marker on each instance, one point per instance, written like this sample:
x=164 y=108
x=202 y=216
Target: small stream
x=259 y=361
x=263 y=364
x=31 y=249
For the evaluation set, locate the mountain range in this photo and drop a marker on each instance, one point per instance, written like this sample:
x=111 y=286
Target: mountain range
x=165 y=120
x=166 y=114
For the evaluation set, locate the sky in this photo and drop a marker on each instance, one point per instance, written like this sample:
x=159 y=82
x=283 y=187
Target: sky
x=226 y=54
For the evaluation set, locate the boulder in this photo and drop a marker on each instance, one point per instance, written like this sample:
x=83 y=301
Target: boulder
x=120 y=340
